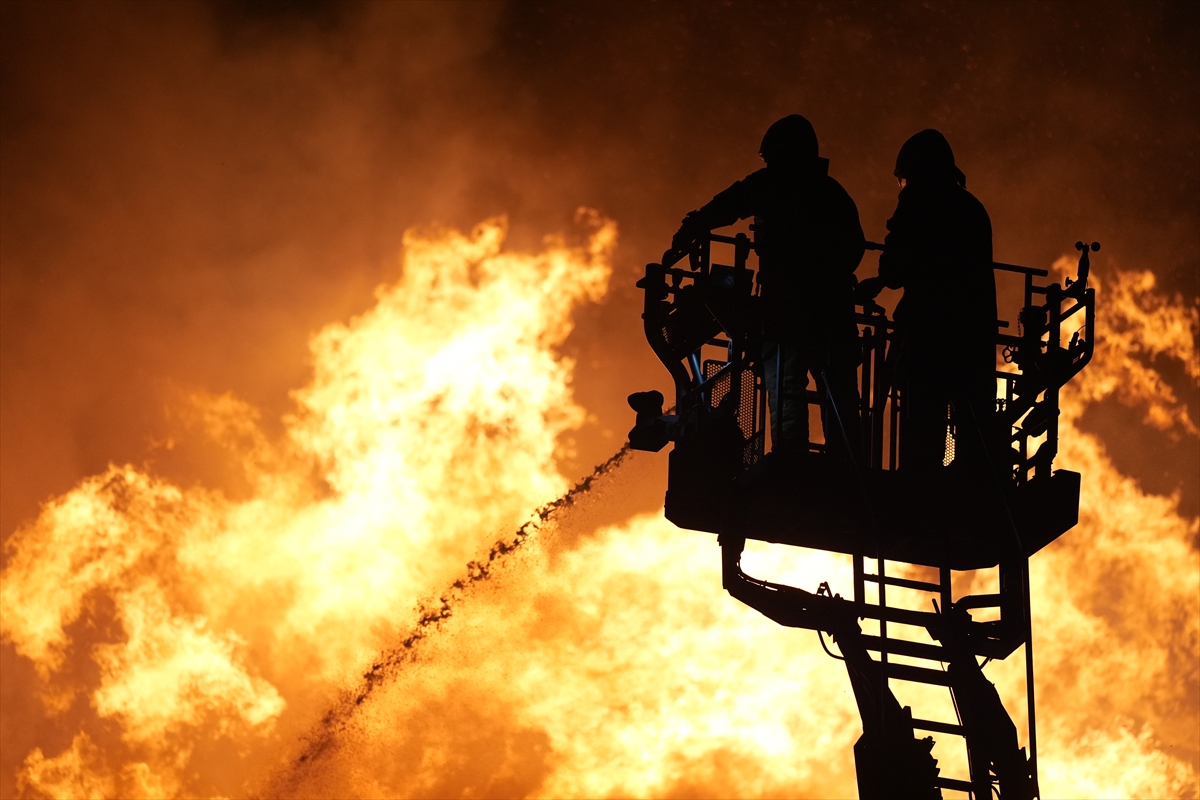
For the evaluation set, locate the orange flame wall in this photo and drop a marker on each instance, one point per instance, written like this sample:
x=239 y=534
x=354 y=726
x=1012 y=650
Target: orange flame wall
x=189 y=191
x=604 y=659
x=431 y=421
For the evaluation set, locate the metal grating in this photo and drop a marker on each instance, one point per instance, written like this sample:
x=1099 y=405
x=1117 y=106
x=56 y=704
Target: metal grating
x=753 y=450
x=746 y=408
x=948 y=457
x=721 y=387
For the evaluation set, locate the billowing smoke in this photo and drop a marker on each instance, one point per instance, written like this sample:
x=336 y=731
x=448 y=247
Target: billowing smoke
x=208 y=414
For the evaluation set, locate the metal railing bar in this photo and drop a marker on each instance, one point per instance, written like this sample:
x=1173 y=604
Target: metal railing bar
x=903 y=672
x=980 y=601
x=711 y=379
x=919 y=619
x=1041 y=273
x=939 y=727
x=954 y=783
x=923 y=586
x=716 y=237
x=1072 y=310
x=902 y=647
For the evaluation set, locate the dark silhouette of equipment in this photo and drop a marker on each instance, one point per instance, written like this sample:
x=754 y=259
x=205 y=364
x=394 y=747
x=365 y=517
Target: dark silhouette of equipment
x=705 y=324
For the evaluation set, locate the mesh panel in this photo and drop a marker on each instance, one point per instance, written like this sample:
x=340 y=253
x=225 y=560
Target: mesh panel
x=948 y=458
x=746 y=407
x=721 y=387
x=753 y=450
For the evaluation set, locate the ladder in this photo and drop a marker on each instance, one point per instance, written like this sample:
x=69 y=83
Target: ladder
x=999 y=638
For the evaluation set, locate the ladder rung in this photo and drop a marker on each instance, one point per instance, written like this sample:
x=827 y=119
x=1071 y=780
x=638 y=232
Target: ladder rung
x=893 y=614
x=979 y=601
x=922 y=619
x=939 y=727
x=923 y=586
x=954 y=783
x=901 y=647
x=917 y=674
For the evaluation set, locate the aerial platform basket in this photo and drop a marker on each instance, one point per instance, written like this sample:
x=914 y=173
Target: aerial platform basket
x=704 y=323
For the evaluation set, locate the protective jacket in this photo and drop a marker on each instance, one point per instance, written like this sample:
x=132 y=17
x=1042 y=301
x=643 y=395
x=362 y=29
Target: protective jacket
x=939 y=249
x=809 y=242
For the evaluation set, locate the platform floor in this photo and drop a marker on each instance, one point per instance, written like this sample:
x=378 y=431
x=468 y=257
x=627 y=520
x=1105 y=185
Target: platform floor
x=941 y=518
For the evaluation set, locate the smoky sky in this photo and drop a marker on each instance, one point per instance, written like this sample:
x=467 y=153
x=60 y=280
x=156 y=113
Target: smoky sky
x=187 y=191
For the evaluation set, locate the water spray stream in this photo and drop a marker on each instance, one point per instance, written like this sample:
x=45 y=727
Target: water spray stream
x=431 y=616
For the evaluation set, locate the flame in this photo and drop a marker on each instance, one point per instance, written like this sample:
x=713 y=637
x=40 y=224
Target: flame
x=431 y=421
x=1139 y=326
x=1118 y=645
x=601 y=662
x=598 y=659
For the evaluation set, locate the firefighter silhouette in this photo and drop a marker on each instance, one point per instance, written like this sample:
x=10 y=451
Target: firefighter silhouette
x=809 y=243
x=939 y=250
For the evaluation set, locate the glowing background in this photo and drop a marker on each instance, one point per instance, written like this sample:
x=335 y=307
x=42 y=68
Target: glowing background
x=190 y=191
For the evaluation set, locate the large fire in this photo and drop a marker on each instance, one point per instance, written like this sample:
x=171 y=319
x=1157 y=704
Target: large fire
x=216 y=645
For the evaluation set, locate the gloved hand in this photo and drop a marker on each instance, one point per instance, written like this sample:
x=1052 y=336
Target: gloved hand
x=689 y=231
x=867 y=290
